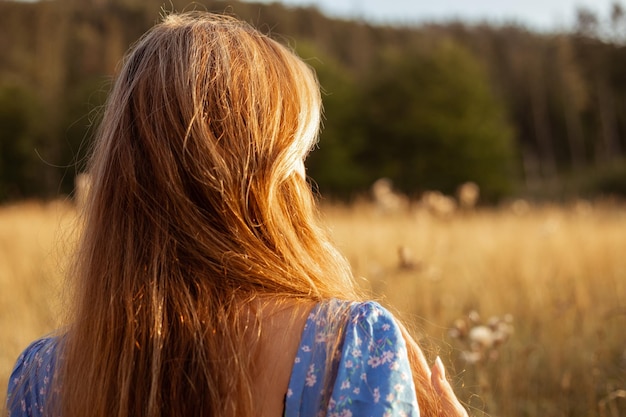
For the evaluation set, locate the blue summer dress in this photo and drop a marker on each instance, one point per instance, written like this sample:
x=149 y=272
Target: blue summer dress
x=368 y=374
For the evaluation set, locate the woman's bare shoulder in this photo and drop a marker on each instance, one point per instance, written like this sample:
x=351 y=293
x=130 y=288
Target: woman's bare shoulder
x=281 y=326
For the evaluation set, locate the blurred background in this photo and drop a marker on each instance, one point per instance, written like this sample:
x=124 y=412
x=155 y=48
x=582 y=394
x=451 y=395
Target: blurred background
x=526 y=100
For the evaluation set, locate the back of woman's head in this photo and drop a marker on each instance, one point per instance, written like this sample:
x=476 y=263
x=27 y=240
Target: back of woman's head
x=197 y=206
x=201 y=143
x=197 y=214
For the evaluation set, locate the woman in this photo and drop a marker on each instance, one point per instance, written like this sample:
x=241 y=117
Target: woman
x=204 y=283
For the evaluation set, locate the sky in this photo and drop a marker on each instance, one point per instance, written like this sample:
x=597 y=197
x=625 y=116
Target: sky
x=543 y=15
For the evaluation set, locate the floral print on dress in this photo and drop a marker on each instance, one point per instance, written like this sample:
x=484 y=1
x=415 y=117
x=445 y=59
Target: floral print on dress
x=30 y=381
x=370 y=372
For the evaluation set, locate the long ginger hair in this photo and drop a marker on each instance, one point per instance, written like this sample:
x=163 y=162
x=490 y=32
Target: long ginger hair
x=196 y=208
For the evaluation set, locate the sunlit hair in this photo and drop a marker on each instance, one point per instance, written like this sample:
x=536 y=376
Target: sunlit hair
x=196 y=211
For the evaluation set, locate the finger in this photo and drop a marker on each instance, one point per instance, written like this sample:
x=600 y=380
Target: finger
x=438 y=378
x=442 y=386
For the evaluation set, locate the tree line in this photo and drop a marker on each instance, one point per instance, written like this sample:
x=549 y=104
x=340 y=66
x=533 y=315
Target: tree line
x=429 y=106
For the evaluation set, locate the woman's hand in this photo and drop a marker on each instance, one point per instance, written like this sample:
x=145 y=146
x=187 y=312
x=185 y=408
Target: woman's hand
x=451 y=404
x=452 y=407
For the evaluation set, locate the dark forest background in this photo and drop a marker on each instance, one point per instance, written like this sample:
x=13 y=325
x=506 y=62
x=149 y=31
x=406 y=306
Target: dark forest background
x=521 y=113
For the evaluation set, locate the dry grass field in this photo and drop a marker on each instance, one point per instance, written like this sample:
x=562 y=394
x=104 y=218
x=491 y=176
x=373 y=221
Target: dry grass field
x=554 y=276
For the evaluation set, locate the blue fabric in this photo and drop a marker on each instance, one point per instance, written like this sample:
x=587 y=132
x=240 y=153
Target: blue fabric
x=369 y=374
x=30 y=382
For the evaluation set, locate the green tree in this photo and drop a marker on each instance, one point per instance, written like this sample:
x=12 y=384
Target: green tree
x=434 y=123
x=333 y=165
x=82 y=113
x=20 y=166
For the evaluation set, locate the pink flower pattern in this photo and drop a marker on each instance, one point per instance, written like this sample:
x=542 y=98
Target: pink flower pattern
x=371 y=376
x=31 y=380
x=370 y=373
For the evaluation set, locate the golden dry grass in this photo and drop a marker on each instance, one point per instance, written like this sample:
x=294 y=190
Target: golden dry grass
x=34 y=240
x=559 y=271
